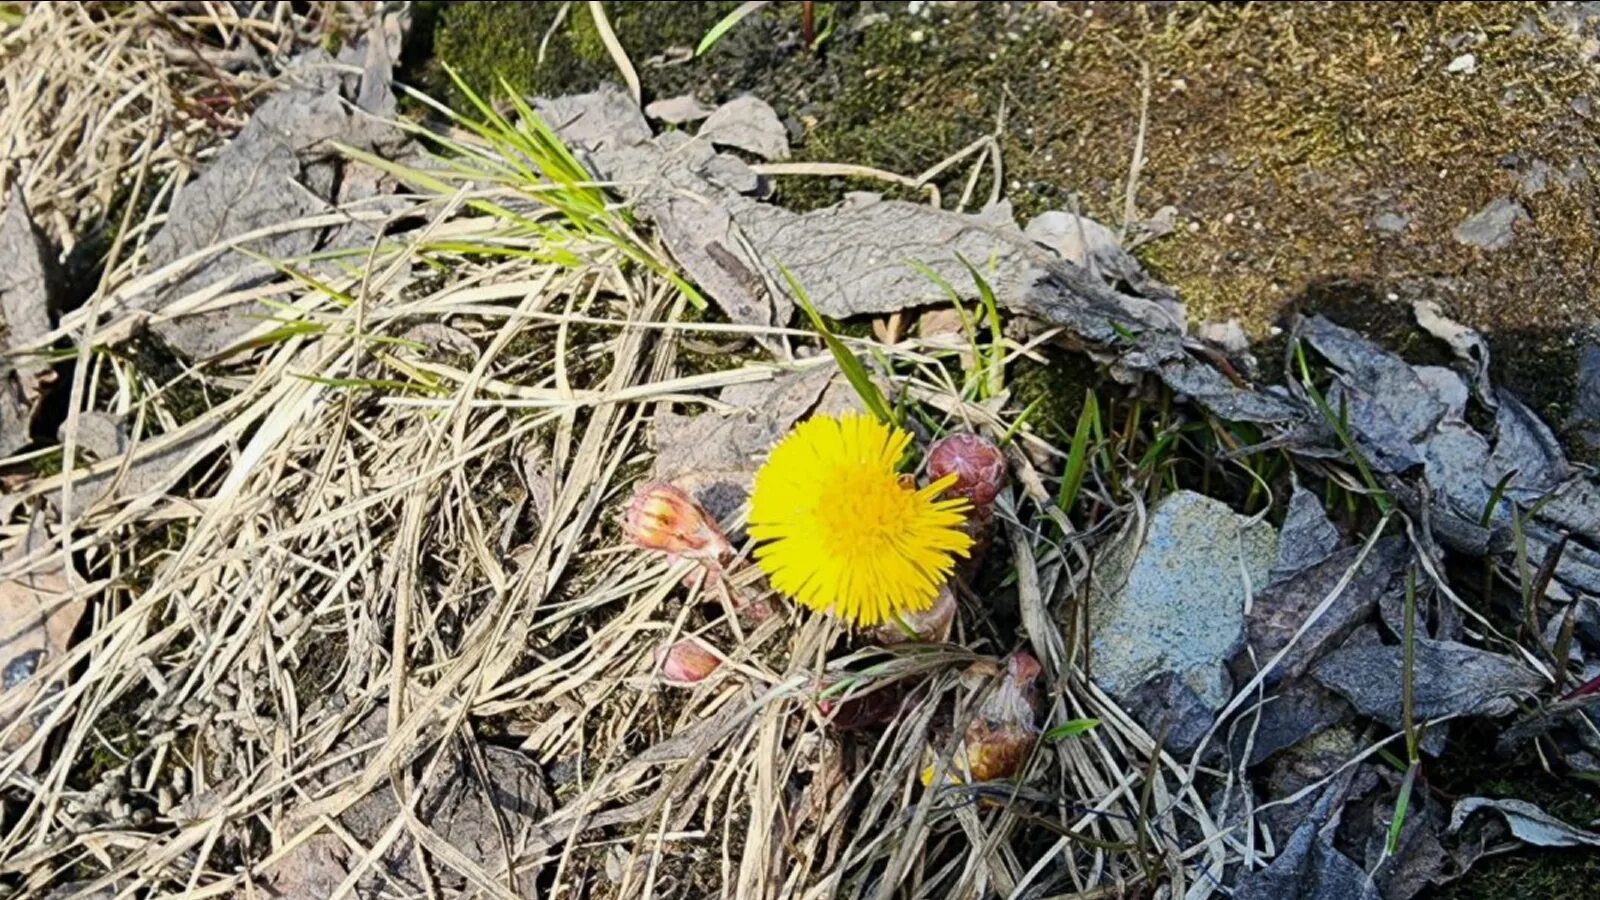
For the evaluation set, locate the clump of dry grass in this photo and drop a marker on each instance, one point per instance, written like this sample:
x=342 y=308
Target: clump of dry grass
x=93 y=93
x=402 y=508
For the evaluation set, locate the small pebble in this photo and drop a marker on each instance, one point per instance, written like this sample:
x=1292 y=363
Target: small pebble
x=1465 y=64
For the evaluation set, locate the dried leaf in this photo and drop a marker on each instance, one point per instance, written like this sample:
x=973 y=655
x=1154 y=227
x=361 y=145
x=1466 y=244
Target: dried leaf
x=1528 y=823
x=1451 y=679
x=39 y=611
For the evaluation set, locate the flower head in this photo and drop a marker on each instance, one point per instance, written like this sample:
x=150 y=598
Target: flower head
x=843 y=535
x=662 y=517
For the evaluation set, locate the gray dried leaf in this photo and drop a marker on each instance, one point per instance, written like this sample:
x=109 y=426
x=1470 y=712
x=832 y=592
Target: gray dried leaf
x=677 y=110
x=1467 y=344
x=1525 y=445
x=1528 y=823
x=27 y=276
x=853 y=258
x=16 y=411
x=279 y=168
x=1297 y=710
x=1307 y=536
x=1584 y=418
x=106 y=437
x=463 y=806
x=714 y=456
x=747 y=123
x=1448 y=387
x=1310 y=867
x=1451 y=679
x=1281 y=610
x=1082 y=241
x=1389 y=408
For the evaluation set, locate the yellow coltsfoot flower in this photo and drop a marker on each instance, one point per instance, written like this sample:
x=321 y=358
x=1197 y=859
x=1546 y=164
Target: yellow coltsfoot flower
x=842 y=534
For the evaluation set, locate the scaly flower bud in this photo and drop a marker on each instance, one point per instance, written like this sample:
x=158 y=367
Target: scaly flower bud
x=979 y=467
x=980 y=470
x=662 y=517
x=687 y=662
x=931 y=625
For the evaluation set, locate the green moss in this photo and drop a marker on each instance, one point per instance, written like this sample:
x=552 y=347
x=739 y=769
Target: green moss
x=1058 y=386
x=1467 y=769
x=487 y=41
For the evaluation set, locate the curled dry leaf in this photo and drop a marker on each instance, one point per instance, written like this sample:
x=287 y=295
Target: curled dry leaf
x=999 y=740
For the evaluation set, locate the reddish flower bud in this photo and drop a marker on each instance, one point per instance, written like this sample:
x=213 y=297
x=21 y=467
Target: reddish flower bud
x=931 y=625
x=662 y=517
x=687 y=662
x=979 y=467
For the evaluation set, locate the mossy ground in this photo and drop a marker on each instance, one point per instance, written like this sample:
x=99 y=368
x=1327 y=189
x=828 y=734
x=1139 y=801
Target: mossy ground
x=1277 y=131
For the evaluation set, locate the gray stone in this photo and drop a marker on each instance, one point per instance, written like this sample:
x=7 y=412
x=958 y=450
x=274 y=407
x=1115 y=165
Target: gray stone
x=1168 y=600
x=1390 y=222
x=1492 y=227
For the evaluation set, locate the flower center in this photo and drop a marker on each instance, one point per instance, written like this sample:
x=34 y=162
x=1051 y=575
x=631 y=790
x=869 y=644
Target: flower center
x=865 y=510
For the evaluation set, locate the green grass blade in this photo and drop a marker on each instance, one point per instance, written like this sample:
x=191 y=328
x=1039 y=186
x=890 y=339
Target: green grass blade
x=726 y=23
x=1071 y=729
x=849 y=363
x=994 y=367
x=1078 y=454
x=1402 y=804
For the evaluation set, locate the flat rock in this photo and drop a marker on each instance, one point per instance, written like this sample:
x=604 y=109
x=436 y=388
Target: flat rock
x=1390 y=222
x=1493 y=227
x=1168 y=600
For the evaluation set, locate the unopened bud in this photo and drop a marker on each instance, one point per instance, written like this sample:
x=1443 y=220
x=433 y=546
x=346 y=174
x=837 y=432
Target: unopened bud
x=979 y=467
x=931 y=625
x=687 y=662
x=662 y=517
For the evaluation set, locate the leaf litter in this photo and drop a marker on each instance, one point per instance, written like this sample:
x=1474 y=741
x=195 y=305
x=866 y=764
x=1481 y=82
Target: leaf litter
x=313 y=531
